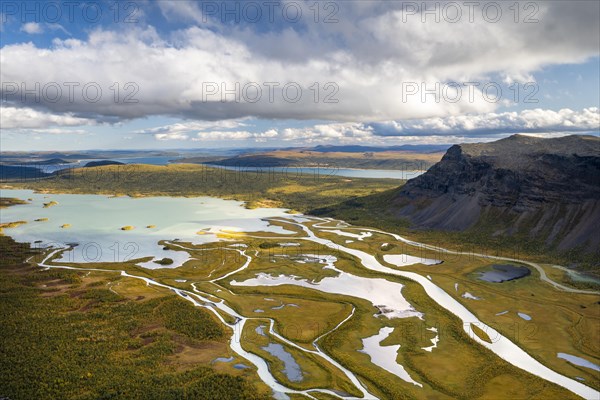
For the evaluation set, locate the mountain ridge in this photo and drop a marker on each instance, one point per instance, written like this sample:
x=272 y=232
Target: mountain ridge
x=544 y=188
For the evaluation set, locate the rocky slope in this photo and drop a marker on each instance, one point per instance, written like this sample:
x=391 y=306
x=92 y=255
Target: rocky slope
x=544 y=189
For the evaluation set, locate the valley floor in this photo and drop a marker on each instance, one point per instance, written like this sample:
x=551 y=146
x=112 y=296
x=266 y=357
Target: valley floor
x=320 y=312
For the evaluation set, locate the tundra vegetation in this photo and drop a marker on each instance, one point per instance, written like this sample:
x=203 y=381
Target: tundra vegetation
x=159 y=336
x=160 y=332
x=90 y=335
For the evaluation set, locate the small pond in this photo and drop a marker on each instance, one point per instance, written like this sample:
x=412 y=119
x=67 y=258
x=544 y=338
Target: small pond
x=499 y=273
x=291 y=369
x=582 y=362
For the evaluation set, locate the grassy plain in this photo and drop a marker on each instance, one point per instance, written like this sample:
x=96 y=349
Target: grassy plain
x=265 y=189
x=453 y=369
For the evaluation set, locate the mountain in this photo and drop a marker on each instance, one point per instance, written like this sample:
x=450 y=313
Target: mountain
x=303 y=157
x=254 y=160
x=53 y=161
x=417 y=148
x=543 y=189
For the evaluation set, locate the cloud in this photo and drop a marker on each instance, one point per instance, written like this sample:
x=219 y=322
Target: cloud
x=177 y=11
x=234 y=135
x=201 y=131
x=337 y=132
x=32 y=28
x=209 y=136
x=170 y=136
x=29 y=118
x=35 y=28
x=55 y=131
x=359 y=64
x=527 y=121
x=546 y=123
x=183 y=130
x=207 y=131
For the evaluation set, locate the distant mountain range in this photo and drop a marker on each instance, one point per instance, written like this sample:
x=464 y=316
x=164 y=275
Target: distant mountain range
x=49 y=158
x=548 y=189
x=360 y=157
x=417 y=148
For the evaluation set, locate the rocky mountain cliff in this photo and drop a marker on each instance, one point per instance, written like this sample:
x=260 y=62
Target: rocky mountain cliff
x=547 y=189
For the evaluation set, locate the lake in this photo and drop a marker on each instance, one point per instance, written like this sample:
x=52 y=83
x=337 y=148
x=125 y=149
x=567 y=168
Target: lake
x=96 y=222
x=503 y=272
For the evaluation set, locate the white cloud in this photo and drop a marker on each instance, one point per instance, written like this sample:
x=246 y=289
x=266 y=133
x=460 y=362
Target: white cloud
x=183 y=130
x=28 y=118
x=218 y=135
x=490 y=124
x=463 y=128
x=170 y=136
x=369 y=54
x=32 y=28
x=55 y=131
x=178 y=11
x=340 y=132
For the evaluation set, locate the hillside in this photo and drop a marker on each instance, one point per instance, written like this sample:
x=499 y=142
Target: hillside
x=13 y=172
x=335 y=157
x=540 y=194
x=546 y=188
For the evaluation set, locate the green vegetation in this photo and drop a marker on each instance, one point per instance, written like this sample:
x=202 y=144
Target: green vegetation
x=296 y=191
x=164 y=261
x=315 y=371
x=387 y=246
x=329 y=161
x=65 y=336
x=561 y=321
x=9 y=201
x=456 y=368
x=182 y=317
x=119 y=337
x=481 y=333
x=268 y=245
x=7 y=225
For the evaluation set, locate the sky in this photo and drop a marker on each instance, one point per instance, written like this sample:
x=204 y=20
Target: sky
x=183 y=74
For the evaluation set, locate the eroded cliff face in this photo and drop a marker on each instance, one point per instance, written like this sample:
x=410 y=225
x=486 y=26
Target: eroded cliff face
x=547 y=188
